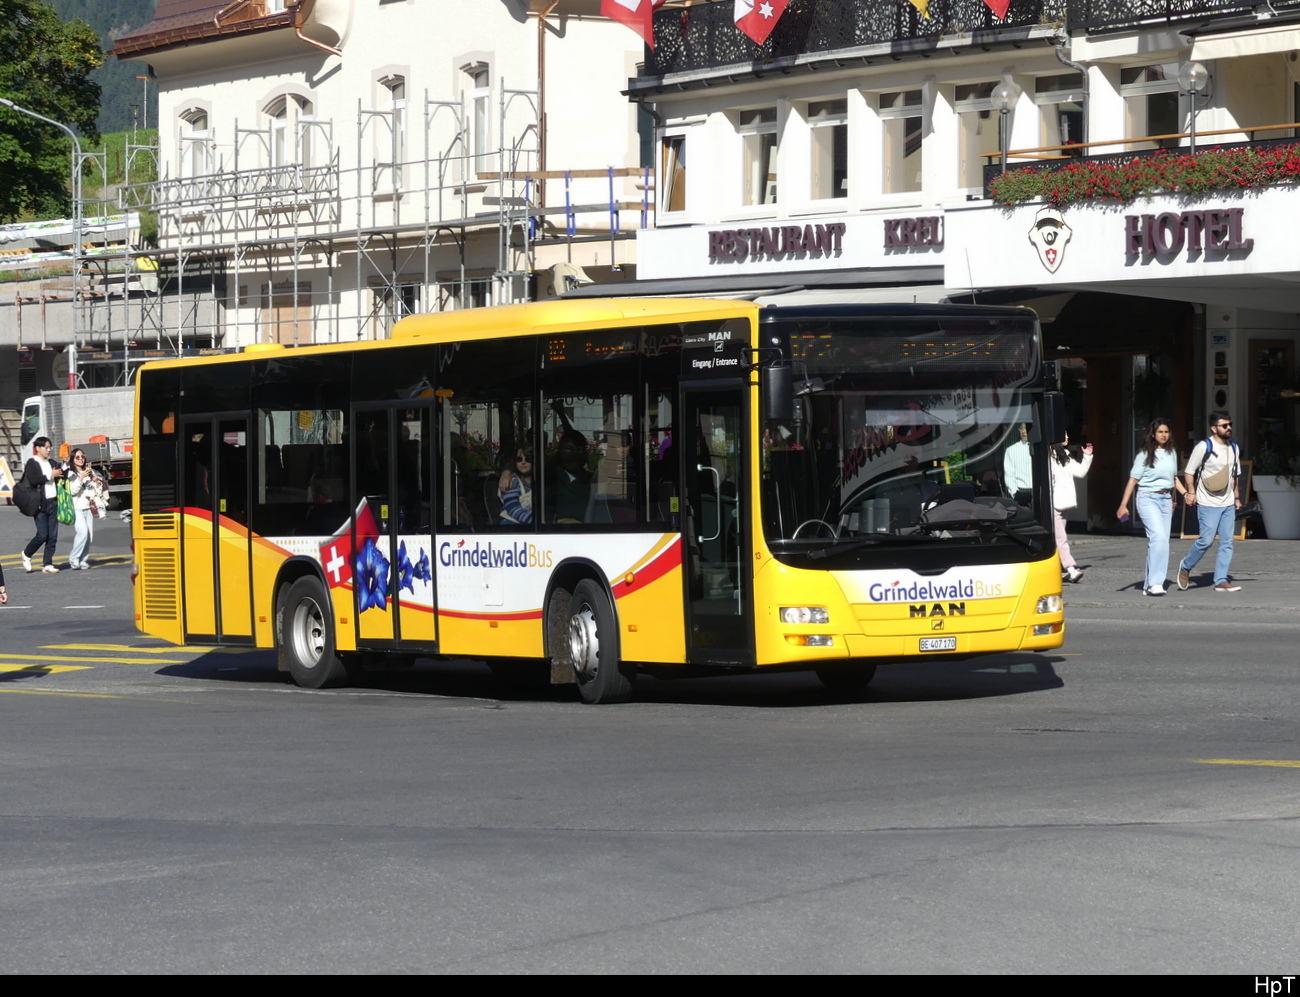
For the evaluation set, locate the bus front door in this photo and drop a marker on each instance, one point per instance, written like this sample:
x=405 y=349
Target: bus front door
x=715 y=529
x=217 y=569
x=394 y=560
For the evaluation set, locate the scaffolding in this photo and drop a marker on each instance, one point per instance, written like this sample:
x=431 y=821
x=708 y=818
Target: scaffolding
x=267 y=239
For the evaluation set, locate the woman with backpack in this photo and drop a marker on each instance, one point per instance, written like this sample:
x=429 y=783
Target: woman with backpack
x=42 y=476
x=1155 y=476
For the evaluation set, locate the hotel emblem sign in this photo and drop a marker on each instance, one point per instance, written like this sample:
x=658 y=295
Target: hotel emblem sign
x=1050 y=235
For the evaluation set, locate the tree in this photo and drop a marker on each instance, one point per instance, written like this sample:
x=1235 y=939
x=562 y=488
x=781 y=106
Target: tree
x=44 y=67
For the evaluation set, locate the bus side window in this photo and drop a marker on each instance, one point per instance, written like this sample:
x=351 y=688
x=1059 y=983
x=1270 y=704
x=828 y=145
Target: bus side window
x=486 y=419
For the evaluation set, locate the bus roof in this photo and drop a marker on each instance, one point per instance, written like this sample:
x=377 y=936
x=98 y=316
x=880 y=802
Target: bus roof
x=507 y=320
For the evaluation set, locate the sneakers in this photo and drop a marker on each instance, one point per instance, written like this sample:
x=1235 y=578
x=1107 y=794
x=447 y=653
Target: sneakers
x=49 y=569
x=1156 y=590
x=84 y=565
x=27 y=564
x=1227 y=587
x=1073 y=574
x=1184 y=578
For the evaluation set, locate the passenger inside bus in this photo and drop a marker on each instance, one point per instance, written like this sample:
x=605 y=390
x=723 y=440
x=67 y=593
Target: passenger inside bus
x=568 y=486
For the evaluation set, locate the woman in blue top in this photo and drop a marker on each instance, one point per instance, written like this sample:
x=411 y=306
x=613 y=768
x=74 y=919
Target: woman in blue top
x=516 y=489
x=1155 y=476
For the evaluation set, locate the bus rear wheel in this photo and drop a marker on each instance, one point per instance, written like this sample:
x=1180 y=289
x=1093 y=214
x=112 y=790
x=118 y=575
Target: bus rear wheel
x=593 y=647
x=847 y=680
x=307 y=636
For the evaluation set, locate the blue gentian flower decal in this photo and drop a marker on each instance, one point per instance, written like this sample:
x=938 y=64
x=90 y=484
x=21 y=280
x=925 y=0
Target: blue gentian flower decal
x=405 y=571
x=422 y=571
x=371 y=569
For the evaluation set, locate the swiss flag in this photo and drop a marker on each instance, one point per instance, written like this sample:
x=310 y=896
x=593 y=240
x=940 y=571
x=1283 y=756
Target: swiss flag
x=635 y=14
x=757 y=18
x=336 y=552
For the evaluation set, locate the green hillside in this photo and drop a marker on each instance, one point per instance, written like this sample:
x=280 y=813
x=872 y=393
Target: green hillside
x=118 y=80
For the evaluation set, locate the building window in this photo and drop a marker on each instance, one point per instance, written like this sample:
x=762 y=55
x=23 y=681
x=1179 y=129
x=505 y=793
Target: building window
x=1151 y=104
x=1060 y=102
x=394 y=302
x=196 y=144
x=480 y=117
x=673 y=173
x=978 y=131
x=290 y=121
x=395 y=114
x=758 y=139
x=903 y=118
x=828 y=123
x=286 y=313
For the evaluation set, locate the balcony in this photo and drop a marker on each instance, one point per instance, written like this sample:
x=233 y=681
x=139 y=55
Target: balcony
x=704 y=36
x=1104 y=15
x=1271 y=156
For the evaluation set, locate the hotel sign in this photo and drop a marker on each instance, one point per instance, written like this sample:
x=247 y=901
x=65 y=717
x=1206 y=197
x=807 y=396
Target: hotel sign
x=1212 y=230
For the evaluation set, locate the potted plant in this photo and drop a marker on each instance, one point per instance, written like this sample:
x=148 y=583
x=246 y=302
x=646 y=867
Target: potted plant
x=1276 y=484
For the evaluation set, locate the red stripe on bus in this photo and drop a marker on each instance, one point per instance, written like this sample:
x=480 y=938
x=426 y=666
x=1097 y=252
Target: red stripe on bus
x=669 y=558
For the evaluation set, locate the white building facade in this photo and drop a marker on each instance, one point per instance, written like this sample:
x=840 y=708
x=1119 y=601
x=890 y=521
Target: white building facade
x=849 y=156
x=327 y=166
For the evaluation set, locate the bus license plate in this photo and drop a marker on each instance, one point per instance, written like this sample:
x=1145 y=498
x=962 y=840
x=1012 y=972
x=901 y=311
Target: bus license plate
x=938 y=643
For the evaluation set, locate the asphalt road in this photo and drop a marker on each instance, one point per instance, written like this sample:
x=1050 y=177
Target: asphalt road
x=1128 y=805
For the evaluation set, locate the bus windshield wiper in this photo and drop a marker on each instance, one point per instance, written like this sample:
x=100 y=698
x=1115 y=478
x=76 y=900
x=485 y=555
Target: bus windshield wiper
x=861 y=543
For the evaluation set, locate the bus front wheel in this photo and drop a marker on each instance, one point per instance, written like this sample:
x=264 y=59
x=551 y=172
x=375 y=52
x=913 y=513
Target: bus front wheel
x=593 y=647
x=307 y=636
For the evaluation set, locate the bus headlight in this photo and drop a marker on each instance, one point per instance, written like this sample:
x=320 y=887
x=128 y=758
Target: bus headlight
x=1049 y=604
x=804 y=614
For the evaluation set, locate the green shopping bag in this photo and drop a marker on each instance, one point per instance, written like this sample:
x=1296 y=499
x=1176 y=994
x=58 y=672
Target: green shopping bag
x=66 y=514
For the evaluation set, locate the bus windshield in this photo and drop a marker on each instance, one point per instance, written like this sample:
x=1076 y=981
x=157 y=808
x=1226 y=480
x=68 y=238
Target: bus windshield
x=918 y=432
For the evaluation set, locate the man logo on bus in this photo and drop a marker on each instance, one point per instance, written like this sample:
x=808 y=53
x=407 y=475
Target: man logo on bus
x=1049 y=235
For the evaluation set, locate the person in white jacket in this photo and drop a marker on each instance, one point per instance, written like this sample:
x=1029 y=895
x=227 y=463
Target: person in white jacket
x=1064 y=470
x=89 y=499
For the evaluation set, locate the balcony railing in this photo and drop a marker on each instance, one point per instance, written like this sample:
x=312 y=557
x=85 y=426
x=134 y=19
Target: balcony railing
x=705 y=36
x=1093 y=15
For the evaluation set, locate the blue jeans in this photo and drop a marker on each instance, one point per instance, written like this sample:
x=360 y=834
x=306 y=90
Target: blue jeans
x=1157 y=513
x=1223 y=522
x=85 y=523
x=47 y=530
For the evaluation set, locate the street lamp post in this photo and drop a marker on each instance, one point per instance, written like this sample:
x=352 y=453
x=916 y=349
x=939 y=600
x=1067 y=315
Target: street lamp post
x=1004 y=97
x=77 y=225
x=1193 y=78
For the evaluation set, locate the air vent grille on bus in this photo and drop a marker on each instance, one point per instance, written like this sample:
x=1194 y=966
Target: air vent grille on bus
x=161 y=600
x=160 y=496
x=158 y=521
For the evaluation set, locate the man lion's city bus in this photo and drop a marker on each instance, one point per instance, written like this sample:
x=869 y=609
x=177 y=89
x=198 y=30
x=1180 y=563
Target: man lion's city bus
x=602 y=488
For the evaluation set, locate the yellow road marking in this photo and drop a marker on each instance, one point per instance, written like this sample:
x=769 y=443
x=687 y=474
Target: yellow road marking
x=102 y=661
x=1269 y=762
x=131 y=649
x=91 y=695
x=43 y=669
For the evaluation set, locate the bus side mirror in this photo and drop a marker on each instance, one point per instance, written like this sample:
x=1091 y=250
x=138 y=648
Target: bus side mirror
x=1054 y=405
x=777 y=385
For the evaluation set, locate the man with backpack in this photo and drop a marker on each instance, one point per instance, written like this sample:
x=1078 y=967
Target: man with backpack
x=1212 y=473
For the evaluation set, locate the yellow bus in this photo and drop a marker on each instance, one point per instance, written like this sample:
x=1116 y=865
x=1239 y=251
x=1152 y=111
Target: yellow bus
x=605 y=487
